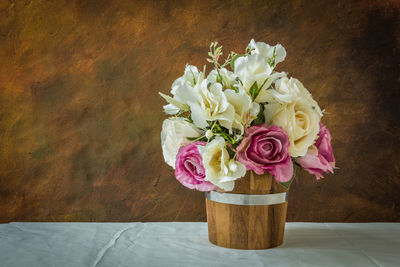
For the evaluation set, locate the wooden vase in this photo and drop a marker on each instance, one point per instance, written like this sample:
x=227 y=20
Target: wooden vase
x=248 y=226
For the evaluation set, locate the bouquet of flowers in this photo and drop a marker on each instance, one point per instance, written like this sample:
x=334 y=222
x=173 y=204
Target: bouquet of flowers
x=248 y=118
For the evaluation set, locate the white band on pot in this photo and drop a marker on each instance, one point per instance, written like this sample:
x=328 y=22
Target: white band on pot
x=247 y=200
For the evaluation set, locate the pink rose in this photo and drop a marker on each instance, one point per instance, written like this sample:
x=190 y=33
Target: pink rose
x=266 y=149
x=189 y=169
x=319 y=158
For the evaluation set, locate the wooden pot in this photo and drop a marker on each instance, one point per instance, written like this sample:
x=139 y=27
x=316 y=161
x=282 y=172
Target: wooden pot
x=248 y=226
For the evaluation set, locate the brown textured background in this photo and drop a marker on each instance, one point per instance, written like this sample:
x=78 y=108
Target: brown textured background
x=80 y=117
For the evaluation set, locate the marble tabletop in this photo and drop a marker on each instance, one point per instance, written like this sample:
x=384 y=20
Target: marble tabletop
x=186 y=244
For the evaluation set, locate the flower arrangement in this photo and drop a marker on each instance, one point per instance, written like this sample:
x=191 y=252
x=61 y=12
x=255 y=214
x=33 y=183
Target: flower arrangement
x=248 y=118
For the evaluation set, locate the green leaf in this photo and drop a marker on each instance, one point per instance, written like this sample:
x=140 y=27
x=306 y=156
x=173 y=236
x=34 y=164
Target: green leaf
x=235 y=89
x=254 y=90
x=227 y=137
x=288 y=183
x=217 y=129
x=234 y=59
x=194 y=76
x=249 y=50
x=238 y=80
x=176 y=103
x=219 y=78
x=264 y=83
x=201 y=138
x=260 y=116
x=271 y=61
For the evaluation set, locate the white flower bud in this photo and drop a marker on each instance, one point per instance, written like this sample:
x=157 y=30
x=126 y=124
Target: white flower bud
x=209 y=134
x=233 y=166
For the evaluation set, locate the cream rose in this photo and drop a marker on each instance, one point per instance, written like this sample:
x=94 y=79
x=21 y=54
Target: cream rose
x=220 y=169
x=289 y=90
x=299 y=119
x=173 y=135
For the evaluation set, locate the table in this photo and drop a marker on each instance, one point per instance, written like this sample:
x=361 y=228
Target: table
x=186 y=244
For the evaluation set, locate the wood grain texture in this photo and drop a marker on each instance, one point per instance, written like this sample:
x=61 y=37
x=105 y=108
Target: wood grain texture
x=80 y=117
x=248 y=227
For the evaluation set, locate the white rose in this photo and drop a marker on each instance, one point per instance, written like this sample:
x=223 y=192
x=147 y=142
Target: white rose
x=173 y=135
x=220 y=169
x=208 y=102
x=299 y=119
x=250 y=69
x=288 y=91
x=243 y=106
x=267 y=51
x=228 y=77
x=185 y=83
x=189 y=78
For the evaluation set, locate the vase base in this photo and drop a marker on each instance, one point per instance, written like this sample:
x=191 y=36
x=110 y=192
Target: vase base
x=246 y=247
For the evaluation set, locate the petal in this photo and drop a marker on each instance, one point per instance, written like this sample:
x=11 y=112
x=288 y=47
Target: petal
x=284 y=172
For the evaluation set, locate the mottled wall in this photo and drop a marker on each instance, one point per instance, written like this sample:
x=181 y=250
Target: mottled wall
x=80 y=117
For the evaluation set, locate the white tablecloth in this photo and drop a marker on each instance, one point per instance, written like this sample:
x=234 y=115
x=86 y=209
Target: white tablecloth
x=186 y=244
